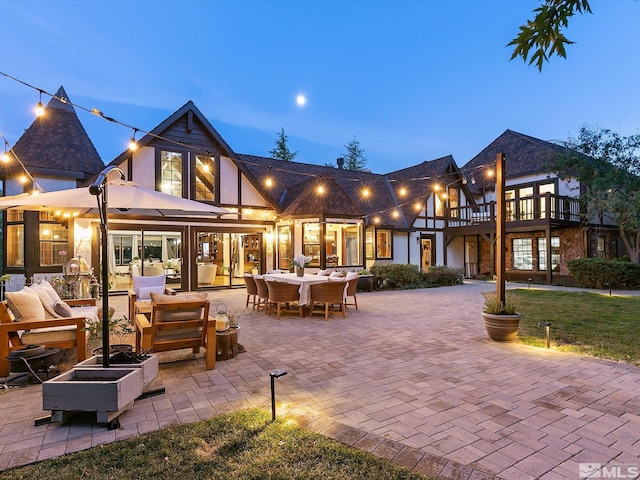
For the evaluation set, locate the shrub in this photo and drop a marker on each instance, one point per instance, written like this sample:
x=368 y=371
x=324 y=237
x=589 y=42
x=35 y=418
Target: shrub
x=600 y=273
x=396 y=275
x=442 y=276
x=406 y=276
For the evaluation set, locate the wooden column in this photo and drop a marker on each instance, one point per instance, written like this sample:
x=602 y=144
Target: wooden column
x=500 y=228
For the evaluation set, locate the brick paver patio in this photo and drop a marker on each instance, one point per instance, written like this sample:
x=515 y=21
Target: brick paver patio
x=411 y=377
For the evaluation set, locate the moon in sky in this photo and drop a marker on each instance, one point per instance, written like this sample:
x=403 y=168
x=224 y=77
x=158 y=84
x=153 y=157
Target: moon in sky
x=301 y=100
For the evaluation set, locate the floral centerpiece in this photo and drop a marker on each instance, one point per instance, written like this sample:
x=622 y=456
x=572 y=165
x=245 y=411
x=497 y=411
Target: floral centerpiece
x=301 y=261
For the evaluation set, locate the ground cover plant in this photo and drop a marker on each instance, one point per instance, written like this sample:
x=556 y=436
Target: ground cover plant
x=242 y=445
x=581 y=322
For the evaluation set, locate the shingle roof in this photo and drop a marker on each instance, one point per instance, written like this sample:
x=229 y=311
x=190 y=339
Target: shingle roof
x=420 y=180
x=525 y=155
x=332 y=202
x=57 y=142
x=291 y=179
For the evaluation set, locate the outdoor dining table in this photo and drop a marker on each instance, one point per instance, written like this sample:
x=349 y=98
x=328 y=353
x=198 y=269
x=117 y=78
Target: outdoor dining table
x=305 y=283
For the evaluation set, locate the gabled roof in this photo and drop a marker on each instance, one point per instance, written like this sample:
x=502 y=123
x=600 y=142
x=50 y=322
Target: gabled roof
x=288 y=177
x=57 y=143
x=188 y=117
x=420 y=180
x=525 y=155
x=332 y=202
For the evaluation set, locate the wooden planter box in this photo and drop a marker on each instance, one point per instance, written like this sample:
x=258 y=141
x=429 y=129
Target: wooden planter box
x=106 y=391
x=149 y=367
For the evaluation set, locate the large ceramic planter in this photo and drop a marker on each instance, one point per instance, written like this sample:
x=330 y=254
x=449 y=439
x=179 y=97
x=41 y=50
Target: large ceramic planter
x=501 y=328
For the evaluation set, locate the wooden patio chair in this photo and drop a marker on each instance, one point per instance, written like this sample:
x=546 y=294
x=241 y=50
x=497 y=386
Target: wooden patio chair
x=282 y=292
x=351 y=292
x=181 y=322
x=142 y=288
x=62 y=333
x=263 y=294
x=252 y=289
x=329 y=293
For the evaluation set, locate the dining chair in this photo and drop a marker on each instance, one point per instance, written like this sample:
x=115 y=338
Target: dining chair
x=352 y=286
x=329 y=293
x=282 y=292
x=252 y=289
x=263 y=294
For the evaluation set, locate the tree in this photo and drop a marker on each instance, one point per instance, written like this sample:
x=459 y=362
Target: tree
x=354 y=159
x=544 y=34
x=608 y=168
x=282 y=152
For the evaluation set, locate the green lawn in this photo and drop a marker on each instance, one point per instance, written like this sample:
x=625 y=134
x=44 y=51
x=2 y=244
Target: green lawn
x=581 y=322
x=240 y=446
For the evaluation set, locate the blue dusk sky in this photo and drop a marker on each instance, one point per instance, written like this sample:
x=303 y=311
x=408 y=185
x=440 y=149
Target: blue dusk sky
x=411 y=80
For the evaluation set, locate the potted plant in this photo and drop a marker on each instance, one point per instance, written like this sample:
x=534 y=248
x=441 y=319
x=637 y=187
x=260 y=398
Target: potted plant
x=119 y=331
x=500 y=319
x=301 y=261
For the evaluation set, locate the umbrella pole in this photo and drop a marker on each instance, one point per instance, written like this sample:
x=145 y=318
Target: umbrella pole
x=99 y=189
x=105 y=281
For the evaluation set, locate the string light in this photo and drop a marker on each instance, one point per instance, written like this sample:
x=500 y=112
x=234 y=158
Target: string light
x=417 y=206
x=268 y=181
x=133 y=146
x=5 y=154
x=39 y=106
x=320 y=189
x=395 y=214
x=376 y=219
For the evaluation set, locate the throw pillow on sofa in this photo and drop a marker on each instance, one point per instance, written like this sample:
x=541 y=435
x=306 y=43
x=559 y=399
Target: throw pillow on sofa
x=25 y=305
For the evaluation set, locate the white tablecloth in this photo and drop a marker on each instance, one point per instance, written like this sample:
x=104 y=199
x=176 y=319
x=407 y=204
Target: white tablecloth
x=305 y=283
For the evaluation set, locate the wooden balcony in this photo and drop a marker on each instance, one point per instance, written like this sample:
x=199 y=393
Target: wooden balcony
x=538 y=211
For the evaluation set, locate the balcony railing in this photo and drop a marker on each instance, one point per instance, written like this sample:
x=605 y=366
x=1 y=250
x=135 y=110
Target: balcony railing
x=537 y=207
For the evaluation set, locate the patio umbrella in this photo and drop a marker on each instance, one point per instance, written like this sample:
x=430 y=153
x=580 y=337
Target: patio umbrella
x=123 y=196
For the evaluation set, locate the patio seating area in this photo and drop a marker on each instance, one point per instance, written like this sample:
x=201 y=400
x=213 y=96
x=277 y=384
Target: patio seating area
x=440 y=398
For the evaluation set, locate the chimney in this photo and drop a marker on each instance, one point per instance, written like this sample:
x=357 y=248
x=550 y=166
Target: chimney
x=340 y=162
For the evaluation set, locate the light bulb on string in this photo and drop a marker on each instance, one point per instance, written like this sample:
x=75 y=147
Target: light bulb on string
x=320 y=189
x=39 y=106
x=403 y=192
x=5 y=154
x=395 y=214
x=366 y=192
x=417 y=206
x=133 y=146
x=268 y=182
